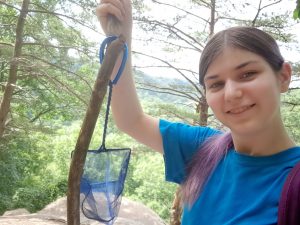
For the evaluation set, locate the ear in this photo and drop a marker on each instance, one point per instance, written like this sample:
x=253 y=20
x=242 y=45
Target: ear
x=284 y=77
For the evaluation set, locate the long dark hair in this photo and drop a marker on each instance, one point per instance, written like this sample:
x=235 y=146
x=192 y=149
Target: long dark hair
x=216 y=147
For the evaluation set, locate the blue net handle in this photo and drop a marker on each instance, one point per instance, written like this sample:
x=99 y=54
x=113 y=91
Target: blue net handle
x=113 y=82
x=103 y=47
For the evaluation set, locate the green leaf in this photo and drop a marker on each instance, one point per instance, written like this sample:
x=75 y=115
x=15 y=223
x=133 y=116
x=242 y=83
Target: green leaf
x=296 y=14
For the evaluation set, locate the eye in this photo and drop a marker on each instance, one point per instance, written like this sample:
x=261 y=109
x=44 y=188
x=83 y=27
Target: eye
x=248 y=75
x=216 y=85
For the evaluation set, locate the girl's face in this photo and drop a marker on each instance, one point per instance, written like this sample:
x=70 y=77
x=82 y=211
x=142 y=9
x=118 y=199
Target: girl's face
x=244 y=92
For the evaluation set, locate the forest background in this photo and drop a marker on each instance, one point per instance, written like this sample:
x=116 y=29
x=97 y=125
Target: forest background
x=48 y=63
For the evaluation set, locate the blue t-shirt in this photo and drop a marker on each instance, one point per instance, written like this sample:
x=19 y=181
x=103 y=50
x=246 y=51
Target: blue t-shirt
x=242 y=190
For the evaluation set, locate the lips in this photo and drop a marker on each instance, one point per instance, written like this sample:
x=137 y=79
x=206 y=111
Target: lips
x=239 y=110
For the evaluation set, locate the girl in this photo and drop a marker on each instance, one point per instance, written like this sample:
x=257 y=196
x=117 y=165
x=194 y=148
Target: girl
x=226 y=178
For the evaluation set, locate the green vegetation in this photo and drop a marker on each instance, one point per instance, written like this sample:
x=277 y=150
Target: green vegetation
x=55 y=74
x=296 y=13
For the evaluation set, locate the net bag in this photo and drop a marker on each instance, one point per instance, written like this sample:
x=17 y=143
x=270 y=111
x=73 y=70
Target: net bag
x=105 y=170
x=102 y=183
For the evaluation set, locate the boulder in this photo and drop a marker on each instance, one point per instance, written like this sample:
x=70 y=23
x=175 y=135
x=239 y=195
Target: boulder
x=16 y=212
x=131 y=213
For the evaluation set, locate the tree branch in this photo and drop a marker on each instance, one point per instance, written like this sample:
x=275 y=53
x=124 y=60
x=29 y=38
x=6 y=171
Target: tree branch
x=77 y=48
x=168 y=91
x=7 y=44
x=43 y=112
x=58 y=15
x=183 y=10
x=260 y=9
x=173 y=67
x=174 y=30
x=12 y=76
x=60 y=68
x=8 y=5
x=194 y=74
x=56 y=81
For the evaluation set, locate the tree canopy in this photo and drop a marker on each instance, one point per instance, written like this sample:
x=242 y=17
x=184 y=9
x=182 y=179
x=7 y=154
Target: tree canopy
x=48 y=64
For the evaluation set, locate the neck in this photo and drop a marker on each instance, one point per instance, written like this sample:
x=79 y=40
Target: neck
x=266 y=142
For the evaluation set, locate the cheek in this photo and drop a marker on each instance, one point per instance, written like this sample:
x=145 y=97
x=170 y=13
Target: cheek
x=214 y=102
x=268 y=91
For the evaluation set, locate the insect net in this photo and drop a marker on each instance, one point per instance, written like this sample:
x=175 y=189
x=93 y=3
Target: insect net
x=102 y=183
x=105 y=170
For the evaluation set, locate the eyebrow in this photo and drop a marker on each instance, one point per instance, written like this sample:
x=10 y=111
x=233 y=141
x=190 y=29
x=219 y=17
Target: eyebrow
x=240 y=66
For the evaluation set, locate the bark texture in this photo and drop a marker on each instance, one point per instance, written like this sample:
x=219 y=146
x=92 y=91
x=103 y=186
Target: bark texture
x=13 y=70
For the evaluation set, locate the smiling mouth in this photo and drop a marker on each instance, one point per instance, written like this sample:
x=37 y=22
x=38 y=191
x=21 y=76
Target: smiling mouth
x=240 y=109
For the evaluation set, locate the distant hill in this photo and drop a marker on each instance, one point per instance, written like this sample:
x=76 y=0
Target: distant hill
x=146 y=82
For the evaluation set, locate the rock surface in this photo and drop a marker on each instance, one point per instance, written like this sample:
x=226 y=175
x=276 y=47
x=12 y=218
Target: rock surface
x=131 y=213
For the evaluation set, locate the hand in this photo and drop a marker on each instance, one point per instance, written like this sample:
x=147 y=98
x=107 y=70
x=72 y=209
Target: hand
x=115 y=17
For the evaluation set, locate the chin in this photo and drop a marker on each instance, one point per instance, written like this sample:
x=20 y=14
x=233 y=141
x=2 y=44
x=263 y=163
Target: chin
x=244 y=129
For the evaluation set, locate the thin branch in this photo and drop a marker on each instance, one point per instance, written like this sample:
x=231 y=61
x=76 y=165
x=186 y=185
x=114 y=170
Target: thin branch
x=204 y=3
x=291 y=103
x=162 y=92
x=257 y=14
x=58 y=15
x=231 y=18
x=60 y=68
x=43 y=112
x=294 y=88
x=172 y=67
x=160 y=66
x=77 y=48
x=174 y=30
x=182 y=118
x=56 y=81
x=183 y=10
x=165 y=42
x=8 y=5
x=7 y=25
x=274 y=3
x=169 y=91
x=7 y=44
x=260 y=9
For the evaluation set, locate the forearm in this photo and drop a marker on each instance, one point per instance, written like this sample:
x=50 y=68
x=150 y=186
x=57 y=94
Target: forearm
x=128 y=113
x=126 y=107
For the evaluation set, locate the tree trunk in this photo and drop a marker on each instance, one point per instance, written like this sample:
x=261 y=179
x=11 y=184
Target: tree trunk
x=12 y=76
x=203 y=111
x=176 y=209
x=202 y=108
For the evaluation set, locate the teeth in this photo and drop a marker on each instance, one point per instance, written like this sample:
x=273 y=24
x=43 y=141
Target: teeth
x=239 y=110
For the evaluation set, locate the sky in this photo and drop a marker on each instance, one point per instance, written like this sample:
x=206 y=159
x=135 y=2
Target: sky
x=190 y=59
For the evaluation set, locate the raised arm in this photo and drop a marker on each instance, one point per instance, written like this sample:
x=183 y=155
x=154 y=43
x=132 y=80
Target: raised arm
x=126 y=108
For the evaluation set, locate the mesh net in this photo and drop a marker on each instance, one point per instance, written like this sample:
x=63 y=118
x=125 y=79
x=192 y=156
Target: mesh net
x=105 y=170
x=102 y=183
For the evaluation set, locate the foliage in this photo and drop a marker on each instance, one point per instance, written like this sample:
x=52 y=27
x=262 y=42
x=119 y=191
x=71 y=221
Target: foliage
x=55 y=74
x=33 y=171
x=56 y=57
x=145 y=182
x=290 y=112
x=296 y=13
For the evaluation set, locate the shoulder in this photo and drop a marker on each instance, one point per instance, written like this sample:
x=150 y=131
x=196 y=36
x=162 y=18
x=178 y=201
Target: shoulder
x=186 y=131
x=184 y=137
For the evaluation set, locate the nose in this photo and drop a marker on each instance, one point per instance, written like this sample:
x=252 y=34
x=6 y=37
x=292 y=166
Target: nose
x=232 y=91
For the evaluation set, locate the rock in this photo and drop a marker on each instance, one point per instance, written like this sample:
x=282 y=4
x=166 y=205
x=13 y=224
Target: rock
x=16 y=212
x=131 y=213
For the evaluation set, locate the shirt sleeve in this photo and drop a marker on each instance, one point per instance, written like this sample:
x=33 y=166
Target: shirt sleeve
x=180 y=142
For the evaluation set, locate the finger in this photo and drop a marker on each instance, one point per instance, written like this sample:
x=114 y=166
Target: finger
x=116 y=3
x=105 y=9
